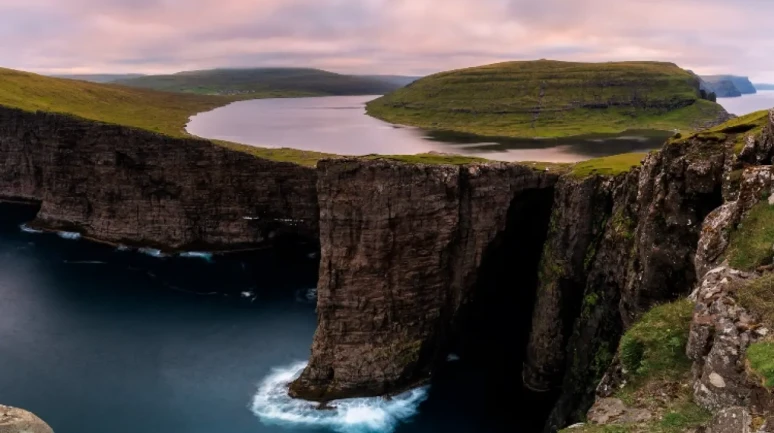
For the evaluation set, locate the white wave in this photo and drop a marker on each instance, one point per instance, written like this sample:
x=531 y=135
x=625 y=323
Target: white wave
x=28 y=229
x=273 y=406
x=197 y=255
x=151 y=252
x=85 y=262
x=69 y=235
x=453 y=357
x=122 y=248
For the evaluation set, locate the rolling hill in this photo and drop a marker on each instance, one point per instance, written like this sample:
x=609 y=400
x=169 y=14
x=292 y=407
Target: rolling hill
x=265 y=82
x=547 y=98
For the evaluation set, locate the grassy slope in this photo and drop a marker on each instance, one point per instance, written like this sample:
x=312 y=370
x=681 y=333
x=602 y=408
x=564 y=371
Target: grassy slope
x=499 y=99
x=267 y=82
x=652 y=352
x=161 y=112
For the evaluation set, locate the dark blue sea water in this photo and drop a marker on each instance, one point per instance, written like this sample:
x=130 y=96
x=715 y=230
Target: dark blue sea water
x=97 y=340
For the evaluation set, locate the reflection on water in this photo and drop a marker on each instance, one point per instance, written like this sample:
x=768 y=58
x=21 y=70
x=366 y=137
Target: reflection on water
x=339 y=125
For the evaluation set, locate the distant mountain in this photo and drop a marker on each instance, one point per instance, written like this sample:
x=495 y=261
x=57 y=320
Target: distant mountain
x=398 y=80
x=98 y=78
x=763 y=86
x=264 y=81
x=738 y=85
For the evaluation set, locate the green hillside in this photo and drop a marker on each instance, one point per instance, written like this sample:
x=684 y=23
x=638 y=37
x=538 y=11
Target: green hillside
x=265 y=82
x=552 y=99
x=162 y=112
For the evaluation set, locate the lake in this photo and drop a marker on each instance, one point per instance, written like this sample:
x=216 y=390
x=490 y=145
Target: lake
x=746 y=104
x=96 y=339
x=339 y=125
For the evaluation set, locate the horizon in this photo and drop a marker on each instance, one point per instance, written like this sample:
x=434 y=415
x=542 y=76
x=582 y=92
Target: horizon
x=395 y=37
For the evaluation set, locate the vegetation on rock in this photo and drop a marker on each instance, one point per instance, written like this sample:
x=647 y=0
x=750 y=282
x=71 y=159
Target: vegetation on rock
x=751 y=243
x=760 y=357
x=652 y=353
x=551 y=99
x=609 y=165
x=655 y=345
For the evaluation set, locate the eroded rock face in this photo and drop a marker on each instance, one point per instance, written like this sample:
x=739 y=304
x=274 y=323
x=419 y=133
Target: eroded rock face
x=401 y=247
x=731 y=420
x=14 y=420
x=755 y=184
x=130 y=186
x=581 y=210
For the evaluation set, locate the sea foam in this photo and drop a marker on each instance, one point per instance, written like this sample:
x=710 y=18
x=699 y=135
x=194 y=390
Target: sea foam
x=273 y=406
x=197 y=255
x=28 y=229
x=69 y=235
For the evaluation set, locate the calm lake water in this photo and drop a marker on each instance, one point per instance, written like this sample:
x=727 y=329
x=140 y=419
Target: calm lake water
x=339 y=125
x=746 y=104
x=96 y=340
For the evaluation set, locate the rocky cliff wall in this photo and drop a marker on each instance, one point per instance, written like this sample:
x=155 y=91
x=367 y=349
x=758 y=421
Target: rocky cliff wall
x=125 y=185
x=402 y=247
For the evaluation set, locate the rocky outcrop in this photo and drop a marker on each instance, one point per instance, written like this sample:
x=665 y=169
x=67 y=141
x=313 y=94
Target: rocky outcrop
x=14 y=420
x=124 y=185
x=403 y=245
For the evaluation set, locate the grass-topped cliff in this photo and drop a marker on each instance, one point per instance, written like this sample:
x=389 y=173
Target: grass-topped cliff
x=161 y=112
x=265 y=82
x=552 y=99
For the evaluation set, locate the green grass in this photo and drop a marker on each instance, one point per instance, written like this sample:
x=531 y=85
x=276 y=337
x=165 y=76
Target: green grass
x=757 y=296
x=160 y=112
x=431 y=158
x=655 y=345
x=609 y=165
x=735 y=130
x=166 y=113
x=658 y=374
x=760 y=357
x=751 y=243
x=577 y=99
x=281 y=82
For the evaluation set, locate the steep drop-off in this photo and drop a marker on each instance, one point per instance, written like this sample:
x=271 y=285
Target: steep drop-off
x=125 y=185
x=552 y=99
x=402 y=248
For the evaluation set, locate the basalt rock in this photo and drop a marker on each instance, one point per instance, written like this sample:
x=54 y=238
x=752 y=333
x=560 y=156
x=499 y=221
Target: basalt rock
x=125 y=185
x=14 y=420
x=402 y=247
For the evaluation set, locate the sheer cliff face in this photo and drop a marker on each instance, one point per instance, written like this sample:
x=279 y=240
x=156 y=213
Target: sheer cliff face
x=617 y=247
x=129 y=186
x=402 y=244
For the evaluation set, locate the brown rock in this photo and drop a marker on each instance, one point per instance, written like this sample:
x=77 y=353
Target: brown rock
x=126 y=185
x=13 y=420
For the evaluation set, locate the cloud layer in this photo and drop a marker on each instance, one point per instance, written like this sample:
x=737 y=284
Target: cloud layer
x=381 y=36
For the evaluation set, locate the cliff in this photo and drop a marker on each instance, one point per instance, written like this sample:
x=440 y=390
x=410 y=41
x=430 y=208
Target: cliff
x=729 y=85
x=546 y=98
x=400 y=276
x=404 y=248
x=125 y=185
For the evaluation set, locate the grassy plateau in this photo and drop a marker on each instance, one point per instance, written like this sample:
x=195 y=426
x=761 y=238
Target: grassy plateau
x=551 y=99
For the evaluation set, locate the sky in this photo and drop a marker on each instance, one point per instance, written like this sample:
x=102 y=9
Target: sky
x=412 y=37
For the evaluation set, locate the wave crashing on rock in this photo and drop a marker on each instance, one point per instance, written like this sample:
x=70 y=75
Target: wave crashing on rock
x=273 y=406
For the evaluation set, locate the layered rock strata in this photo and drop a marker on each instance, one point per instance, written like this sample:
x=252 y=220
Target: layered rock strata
x=124 y=185
x=402 y=247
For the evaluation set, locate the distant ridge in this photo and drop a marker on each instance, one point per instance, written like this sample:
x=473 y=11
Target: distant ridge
x=764 y=86
x=260 y=81
x=98 y=78
x=546 y=98
x=726 y=86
